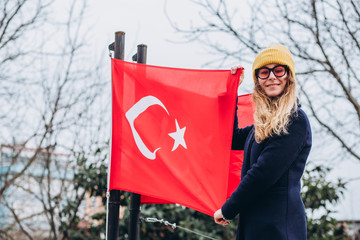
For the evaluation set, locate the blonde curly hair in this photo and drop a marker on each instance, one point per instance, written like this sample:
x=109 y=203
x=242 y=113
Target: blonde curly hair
x=272 y=114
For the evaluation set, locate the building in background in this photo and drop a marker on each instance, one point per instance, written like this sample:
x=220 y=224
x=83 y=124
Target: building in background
x=31 y=202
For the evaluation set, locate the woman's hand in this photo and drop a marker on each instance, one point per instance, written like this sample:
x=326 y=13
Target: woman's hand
x=219 y=218
x=234 y=70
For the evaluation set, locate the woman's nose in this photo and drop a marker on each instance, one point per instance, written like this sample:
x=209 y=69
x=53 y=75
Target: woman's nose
x=271 y=75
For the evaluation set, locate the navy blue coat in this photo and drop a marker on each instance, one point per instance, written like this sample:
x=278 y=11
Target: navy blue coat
x=268 y=196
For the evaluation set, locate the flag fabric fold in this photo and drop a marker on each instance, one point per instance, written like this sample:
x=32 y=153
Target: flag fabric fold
x=171 y=134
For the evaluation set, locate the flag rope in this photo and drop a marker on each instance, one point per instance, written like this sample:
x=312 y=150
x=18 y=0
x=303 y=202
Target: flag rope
x=173 y=225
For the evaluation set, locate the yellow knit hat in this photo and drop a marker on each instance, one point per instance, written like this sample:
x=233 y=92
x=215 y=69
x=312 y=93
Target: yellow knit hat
x=275 y=53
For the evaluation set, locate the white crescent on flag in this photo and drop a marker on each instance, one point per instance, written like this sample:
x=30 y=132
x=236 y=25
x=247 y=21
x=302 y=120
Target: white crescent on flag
x=139 y=108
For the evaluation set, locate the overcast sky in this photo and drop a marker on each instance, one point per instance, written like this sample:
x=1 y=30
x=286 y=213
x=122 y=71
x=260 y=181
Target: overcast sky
x=145 y=22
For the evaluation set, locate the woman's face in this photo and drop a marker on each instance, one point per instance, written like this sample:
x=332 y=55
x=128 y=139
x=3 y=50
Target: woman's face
x=273 y=86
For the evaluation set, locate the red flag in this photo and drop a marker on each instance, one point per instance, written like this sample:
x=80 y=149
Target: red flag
x=171 y=133
x=245 y=118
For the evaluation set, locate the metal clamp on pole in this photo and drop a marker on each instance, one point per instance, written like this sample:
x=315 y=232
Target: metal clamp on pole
x=141 y=55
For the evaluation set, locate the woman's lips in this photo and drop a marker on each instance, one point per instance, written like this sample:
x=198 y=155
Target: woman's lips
x=272 y=85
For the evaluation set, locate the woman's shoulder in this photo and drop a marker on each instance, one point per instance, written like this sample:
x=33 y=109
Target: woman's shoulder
x=300 y=118
x=300 y=115
x=298 y=128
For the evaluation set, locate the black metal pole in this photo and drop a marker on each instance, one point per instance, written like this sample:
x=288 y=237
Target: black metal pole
x=114 y=199
x=134 y=218
x=134 y=223
x=119 y=45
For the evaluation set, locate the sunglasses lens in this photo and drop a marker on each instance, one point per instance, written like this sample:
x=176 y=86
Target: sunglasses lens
x=263 y=73
x=279 y=71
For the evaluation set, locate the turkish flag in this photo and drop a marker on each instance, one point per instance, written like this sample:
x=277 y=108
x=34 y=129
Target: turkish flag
x=171 y=133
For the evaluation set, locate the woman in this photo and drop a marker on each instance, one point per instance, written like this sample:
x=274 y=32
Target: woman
x=275 y=151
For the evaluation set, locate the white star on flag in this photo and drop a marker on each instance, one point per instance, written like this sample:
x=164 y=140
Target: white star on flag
x=178 y=136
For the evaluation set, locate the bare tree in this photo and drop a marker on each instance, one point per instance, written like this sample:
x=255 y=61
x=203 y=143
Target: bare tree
x=50 y=93
x=324 y=37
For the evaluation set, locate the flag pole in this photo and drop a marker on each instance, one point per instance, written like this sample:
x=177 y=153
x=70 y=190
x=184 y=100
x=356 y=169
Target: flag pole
x=134 y=222
x=113 y=209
